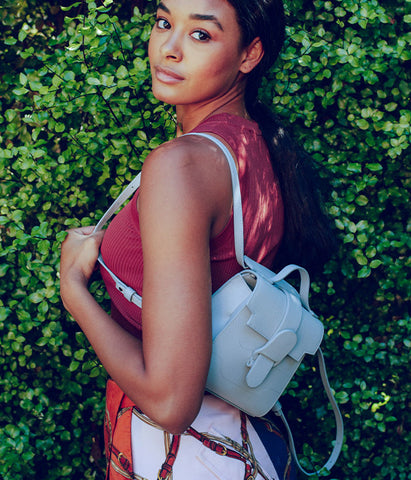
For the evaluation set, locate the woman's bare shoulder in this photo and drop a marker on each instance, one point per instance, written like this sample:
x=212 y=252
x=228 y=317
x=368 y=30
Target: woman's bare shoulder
x=187 y=150
x=188 y=177
x=190 y=160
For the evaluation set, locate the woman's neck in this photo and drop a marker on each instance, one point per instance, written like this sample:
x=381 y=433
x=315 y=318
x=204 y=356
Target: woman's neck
x=189 y=116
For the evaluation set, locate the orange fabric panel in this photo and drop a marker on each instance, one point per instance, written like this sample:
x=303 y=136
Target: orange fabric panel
x=117 y=433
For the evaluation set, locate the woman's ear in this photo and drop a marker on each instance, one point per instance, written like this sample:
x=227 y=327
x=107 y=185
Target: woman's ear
x=253 y=55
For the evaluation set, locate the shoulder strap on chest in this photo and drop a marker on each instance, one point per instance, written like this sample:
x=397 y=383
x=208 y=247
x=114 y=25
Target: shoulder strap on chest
x=118 y=202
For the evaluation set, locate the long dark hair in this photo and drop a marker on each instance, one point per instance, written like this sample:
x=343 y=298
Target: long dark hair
x=308 y=238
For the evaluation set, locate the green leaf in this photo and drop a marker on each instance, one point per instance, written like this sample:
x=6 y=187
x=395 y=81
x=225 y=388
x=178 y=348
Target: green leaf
x=23 y=79
x=79 y=354
x=390 y=107
x=73 y=5
x=10 y=41
x=363 y=124
x=22 y=35
x=361 y=200
x=20 y=91
x=122 y=72
x=364 y=272
x=69 y=75
x=36 y=297
x=93 y=81
x=74 y=365
x=374 y=167
x=95 y=372
x=354 y=167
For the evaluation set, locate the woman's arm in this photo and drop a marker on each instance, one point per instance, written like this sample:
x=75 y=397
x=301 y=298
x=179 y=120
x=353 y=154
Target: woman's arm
x=185 y=192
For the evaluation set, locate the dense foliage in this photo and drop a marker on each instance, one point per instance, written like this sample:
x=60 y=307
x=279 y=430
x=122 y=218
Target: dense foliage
x=77 y=119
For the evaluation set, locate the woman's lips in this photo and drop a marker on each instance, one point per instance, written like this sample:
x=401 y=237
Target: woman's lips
x=167 y=75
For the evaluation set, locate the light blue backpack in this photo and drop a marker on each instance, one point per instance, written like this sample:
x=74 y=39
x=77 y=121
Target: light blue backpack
x=261 y=328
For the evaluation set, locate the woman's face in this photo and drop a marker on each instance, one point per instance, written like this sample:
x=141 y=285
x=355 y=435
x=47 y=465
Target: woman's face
x=194 y=51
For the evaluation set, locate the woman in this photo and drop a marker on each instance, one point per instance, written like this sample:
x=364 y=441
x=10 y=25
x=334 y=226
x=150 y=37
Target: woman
x=207 y=58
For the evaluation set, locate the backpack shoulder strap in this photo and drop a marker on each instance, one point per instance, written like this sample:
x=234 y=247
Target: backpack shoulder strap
x=339 y=439
x=237 y=206
x=118 y=202
x=129 y=293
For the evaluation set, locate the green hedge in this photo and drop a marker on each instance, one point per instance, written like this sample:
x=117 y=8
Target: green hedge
x=77 y=118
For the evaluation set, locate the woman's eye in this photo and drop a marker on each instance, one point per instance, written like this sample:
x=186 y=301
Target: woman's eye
x=162 y=23
x=200 y=35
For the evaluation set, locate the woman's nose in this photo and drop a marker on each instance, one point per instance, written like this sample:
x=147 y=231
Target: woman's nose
x=172 y=47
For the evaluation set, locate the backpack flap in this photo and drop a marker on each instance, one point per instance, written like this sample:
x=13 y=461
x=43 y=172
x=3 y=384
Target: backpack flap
x=299 y=332
x=272 y=308
x=276 y=316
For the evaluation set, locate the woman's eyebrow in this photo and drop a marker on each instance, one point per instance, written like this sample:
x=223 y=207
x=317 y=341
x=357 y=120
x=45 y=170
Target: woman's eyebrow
x=161 y=6
x=195 y=16
x=208 y=18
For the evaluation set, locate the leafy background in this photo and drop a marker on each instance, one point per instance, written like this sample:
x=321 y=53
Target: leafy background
x=77 y=119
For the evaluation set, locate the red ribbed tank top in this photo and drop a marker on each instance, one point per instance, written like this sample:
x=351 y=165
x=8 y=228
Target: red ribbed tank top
x=262 y=212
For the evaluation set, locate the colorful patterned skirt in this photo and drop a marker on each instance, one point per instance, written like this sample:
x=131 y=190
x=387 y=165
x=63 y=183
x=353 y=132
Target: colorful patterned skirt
x=222 y=443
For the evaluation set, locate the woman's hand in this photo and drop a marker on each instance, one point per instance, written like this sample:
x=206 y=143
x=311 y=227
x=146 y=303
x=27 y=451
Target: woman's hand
x=79 y=253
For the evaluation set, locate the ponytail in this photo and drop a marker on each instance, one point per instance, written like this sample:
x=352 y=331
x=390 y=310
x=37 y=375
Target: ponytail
x=308 y=239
